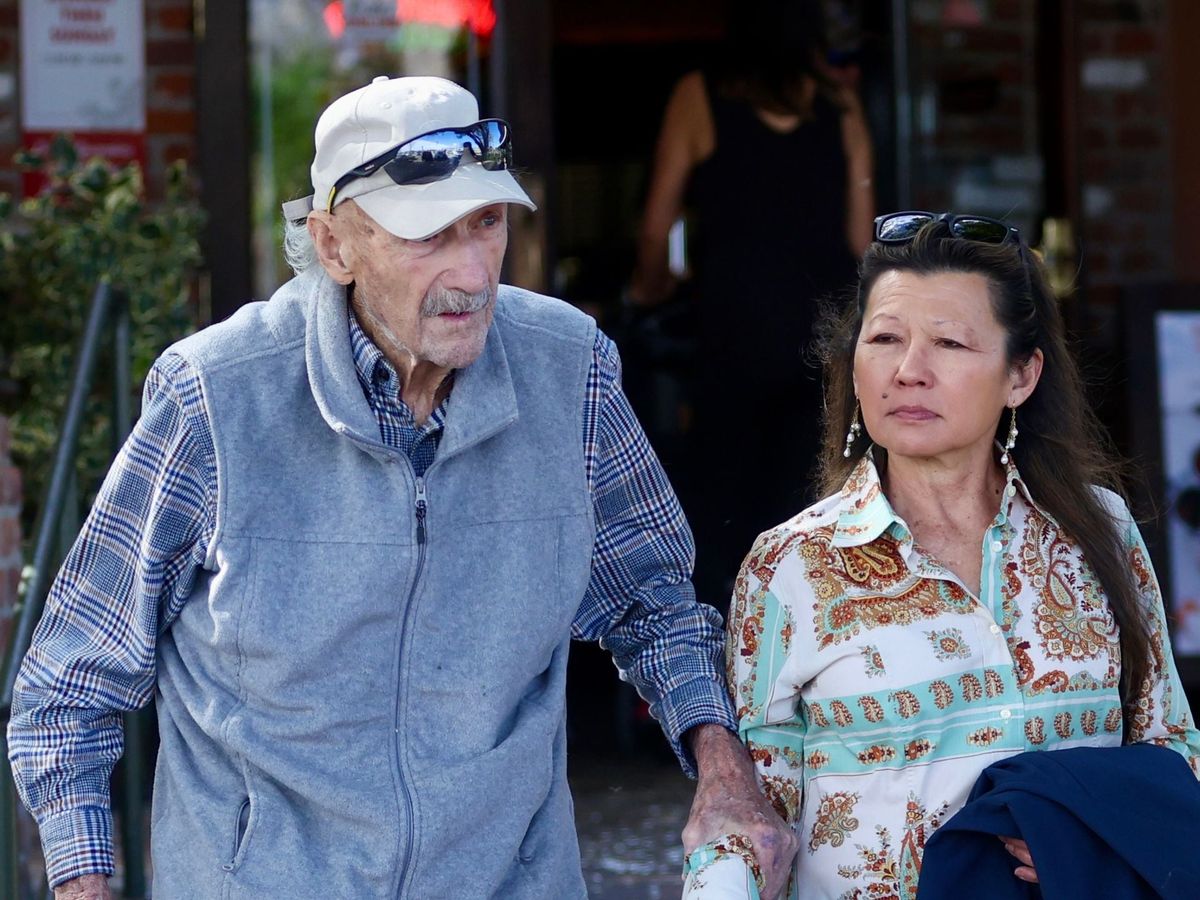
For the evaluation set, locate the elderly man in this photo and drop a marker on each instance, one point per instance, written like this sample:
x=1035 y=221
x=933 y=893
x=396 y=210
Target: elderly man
x=348 y=545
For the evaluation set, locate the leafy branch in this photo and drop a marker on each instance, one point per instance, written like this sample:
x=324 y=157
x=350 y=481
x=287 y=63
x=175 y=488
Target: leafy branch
x=91 y=222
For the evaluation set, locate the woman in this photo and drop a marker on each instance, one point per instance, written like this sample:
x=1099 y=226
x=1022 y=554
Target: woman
x=965 y=591
x=773 y=161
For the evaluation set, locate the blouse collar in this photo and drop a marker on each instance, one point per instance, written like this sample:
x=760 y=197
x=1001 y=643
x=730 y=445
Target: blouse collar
x=864 y=512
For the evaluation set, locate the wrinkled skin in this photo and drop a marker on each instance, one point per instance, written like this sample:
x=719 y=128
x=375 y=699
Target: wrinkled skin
x=86 y=887
x=728 y=801
x=410 y=296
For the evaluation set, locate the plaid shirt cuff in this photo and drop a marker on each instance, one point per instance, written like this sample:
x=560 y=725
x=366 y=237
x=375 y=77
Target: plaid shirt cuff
x=77 y=842
x=696 y=701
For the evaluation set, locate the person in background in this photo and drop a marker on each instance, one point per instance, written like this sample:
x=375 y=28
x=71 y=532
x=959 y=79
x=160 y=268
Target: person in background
x=970 y=587
x=347 y=547
x=773 y=161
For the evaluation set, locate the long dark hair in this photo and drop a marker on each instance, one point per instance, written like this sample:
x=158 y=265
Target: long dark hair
x=1062 y=450
x=771 y=53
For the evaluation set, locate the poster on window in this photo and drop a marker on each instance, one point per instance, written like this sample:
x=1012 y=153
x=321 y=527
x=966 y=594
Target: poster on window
x=83 y=72
x=1178 y=342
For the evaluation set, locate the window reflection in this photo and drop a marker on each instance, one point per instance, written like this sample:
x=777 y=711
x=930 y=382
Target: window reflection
x=974 y=111
x=307 y=52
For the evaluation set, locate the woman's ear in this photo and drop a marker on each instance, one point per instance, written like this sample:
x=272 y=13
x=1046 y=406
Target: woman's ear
x=1025 y=377
x=323 y=228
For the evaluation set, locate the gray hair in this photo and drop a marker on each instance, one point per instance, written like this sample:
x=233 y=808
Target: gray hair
x=298 y=247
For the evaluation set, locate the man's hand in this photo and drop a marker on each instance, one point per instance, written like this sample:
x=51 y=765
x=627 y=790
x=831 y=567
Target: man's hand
x=728 y=801
x=85 y=887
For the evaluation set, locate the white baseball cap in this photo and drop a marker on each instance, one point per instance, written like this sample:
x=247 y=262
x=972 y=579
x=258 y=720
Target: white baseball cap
x=371 y=120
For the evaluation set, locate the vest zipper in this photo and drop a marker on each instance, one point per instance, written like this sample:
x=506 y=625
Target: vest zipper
x=420 y=506
x=420 y=522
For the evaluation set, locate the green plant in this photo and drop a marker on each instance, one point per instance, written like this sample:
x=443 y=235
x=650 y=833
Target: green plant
x=91 y=222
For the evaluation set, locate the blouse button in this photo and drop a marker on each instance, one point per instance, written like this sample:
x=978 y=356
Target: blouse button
x=997 y=546
x=994 y=629
x=1006 y=713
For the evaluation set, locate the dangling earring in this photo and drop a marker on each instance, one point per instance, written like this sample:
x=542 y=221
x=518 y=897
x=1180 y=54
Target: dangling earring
x=1012 y=438
x=854 y=432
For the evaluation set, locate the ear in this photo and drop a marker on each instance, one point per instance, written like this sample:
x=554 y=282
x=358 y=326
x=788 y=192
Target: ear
x=324 y=231
x=1025 y=378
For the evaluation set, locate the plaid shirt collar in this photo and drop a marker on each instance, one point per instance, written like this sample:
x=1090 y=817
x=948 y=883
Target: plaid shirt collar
x=381 y=384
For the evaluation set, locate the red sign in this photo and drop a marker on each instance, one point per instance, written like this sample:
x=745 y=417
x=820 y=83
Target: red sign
x=118 y=147
x=477 y=15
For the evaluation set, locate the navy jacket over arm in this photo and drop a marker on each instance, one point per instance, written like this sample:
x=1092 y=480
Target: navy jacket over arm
x=1119 y=822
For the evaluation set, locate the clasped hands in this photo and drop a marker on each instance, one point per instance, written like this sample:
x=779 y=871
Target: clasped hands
x=728 y=801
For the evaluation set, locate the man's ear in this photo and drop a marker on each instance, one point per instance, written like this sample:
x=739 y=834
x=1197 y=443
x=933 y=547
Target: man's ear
x=329 y=246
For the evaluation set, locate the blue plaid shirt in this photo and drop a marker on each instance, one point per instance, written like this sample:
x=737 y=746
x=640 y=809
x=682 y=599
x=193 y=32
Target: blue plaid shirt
x=148 y=534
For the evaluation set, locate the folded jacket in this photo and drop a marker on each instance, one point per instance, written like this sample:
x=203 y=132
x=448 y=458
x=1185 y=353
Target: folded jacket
x=1116 y=822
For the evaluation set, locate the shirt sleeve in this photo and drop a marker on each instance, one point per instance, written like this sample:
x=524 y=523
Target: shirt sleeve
x=640 y=603
x=767 y=701
x=93 y=652
x=1162 y=715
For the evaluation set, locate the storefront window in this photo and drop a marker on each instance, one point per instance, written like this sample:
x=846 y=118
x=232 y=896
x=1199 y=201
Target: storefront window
x=969 y=122
x=304 y=53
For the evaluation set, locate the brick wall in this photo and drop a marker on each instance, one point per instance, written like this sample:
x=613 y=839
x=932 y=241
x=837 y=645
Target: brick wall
x=170 y=86
x=10 y=536
x=1125 y=141
x=170 y=90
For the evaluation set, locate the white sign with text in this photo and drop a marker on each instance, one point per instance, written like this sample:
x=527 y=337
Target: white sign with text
x=83 y=65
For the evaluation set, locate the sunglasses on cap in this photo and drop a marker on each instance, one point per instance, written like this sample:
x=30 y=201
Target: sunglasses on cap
x=902 y=227
x=434 y=155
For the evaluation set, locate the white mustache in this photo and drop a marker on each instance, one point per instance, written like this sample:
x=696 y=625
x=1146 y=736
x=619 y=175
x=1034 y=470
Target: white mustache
x=440 y=300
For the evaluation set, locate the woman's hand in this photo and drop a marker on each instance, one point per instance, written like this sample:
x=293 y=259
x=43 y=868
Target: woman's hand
x=1019 y=849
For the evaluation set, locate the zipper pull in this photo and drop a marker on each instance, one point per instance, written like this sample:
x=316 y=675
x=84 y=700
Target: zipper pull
x=420 y=510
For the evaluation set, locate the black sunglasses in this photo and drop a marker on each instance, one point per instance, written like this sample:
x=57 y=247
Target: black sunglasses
x=902 y=227
x=435 y=155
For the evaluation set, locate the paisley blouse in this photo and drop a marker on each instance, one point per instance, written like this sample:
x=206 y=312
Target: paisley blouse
x=872 y=687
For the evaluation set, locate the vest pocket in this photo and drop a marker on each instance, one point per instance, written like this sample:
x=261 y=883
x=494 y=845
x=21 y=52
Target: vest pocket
x=241 y=827
x=526 y=853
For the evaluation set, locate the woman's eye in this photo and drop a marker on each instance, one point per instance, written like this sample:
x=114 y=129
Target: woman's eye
x=882 y=339
x=949 y=342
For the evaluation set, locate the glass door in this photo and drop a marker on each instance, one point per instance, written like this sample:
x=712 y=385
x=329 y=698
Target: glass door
x=968 y=129
x=305 y=53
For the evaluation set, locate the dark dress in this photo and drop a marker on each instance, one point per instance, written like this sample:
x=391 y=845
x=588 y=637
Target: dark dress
x=770 y=213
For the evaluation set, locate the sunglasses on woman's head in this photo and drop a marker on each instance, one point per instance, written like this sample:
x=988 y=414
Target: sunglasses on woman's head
x=902 y=227
x=435 y=155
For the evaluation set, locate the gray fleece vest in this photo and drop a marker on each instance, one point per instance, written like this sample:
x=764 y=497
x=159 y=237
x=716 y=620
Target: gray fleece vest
x=364 y=696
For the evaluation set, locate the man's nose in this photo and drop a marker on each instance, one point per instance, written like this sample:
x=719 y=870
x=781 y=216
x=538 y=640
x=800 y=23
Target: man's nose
x=471 y=268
